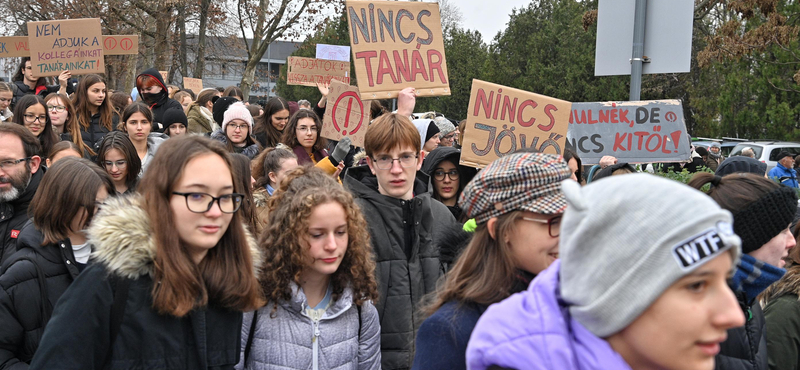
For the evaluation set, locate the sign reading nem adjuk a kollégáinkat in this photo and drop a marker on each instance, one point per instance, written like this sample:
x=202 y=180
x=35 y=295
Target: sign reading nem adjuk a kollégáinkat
x=310 y=71
x=73 y=44
x=633 y=132
x=502 y=120
x=17 y=46
x=397 y=44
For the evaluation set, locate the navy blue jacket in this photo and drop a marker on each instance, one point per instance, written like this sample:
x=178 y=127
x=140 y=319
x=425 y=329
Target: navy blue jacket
x=442 y=339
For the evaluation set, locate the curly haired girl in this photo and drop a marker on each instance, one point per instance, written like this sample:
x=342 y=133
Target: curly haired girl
x=319 y=281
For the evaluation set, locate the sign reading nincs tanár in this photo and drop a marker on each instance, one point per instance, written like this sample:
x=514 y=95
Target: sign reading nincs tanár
x=502 y=120
x=72 y=44
x=633 y=132
x=397 y=44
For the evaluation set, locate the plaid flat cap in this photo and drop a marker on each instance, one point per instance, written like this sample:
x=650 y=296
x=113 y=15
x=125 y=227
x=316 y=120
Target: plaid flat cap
x=521 y=181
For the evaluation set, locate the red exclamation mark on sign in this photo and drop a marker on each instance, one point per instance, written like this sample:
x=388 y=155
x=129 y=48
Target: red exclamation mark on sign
x=347 y=116
x=676 y=136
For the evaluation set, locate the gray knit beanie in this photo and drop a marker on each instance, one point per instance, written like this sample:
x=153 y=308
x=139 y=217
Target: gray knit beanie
x=444 y=125
x=626 y=239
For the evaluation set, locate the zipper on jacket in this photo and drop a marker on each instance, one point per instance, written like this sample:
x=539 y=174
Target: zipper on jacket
x=315 y=347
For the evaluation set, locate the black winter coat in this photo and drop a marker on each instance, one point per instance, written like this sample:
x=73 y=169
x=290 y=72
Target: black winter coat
x=78 y=334
x=14 y=215
x=93 y=135
x=21 y=89
x=162 y=102
x=746 y=346
x=402 y=280
x=33 y=280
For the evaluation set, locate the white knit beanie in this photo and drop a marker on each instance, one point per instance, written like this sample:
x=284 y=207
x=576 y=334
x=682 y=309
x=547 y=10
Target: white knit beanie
x=237 y=111
x=626 y=239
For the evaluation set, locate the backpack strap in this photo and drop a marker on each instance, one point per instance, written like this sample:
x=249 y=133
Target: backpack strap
x=120 y=287
x=250 y=337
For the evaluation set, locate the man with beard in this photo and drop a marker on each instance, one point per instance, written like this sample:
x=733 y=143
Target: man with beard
x=20 y=174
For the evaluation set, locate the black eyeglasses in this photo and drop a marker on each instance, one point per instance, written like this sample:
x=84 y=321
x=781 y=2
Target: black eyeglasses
x=12 y=162
x=202 y=202
x=439 y=174
x=553 y=224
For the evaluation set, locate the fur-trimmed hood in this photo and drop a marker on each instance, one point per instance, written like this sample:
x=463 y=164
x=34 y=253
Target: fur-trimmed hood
x=788 y=284
x=121 y=238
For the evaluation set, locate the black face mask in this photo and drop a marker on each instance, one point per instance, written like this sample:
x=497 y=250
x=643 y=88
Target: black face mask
x=152 y=98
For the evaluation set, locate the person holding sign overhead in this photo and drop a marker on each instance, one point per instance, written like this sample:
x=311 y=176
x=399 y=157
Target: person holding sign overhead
x=93 y=110
x=155 y=94
x=25 y=83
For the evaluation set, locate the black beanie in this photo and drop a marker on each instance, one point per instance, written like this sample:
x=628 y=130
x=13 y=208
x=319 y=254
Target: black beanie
x=174 y=115
x=432 y=130
x=220 y=106
x=741 y=164
x=765 y=218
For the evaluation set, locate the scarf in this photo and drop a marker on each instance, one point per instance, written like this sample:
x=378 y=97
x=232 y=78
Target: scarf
x=303 y=158
x=753 y=276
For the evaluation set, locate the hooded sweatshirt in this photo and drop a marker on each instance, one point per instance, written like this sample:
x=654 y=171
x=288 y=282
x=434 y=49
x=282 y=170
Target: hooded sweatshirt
x=465 y=174
x=160 y=102
x=533 y=330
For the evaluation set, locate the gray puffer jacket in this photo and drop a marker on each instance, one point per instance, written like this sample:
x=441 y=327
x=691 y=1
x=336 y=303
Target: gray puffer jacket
x=292 y=340
x=154 y=140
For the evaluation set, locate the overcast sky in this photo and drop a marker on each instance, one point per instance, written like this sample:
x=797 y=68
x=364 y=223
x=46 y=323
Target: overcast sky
x=487 y=16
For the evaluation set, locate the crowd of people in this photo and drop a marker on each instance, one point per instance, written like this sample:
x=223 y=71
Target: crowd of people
x=176 y=230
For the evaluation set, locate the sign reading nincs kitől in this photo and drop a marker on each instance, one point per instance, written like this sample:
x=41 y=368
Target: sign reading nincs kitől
x=397 y=44
x=72 y=44
x=633 y=132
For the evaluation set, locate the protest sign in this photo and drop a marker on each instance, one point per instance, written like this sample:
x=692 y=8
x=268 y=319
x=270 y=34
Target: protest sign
x=164 y=75
x=634 y=132
x=71 y=44
x=121 y=44
x=345 y=114
x=194 y=84
x=397 y=44
x=333 y=52
x=502 y=120
x=310 y=71
x=17 y=46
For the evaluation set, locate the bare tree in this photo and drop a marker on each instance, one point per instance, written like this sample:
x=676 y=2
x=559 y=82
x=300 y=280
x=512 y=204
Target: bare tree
x=268 y=21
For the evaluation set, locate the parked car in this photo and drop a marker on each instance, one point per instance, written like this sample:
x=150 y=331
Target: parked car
x=767 y=150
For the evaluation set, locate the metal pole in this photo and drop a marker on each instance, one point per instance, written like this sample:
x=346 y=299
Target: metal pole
x=269 y=70
x=638 y=49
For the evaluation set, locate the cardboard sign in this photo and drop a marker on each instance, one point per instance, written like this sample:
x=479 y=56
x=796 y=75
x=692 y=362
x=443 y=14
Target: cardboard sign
x=310 y=71
x=121 y=44
x=164 y=75
x=333 y=52
x=502 y=120
x=397 y=44
x=634 y=132
x=17 y=46
x=73 y=44
x=345 y=114
x=194 y=84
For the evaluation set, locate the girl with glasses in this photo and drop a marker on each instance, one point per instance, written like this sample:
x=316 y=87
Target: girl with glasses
x=51 y=252
x=31 y=112
x=447 y=176
x=117 y=156
x=302 y=135
x=237 y=123
x=517 y=204
x=62 y=115
x=319 y=282
x=174 y=270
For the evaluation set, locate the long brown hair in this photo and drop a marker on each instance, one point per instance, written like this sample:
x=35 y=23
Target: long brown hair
x=285 y=255
x=269 y=160
x=290 y=131
x=54 y=219
x=241 y=169
x=81 y=101
x=263 y=124
x=48 y=137
x=226 y=276
x=71 y=126
x=485 y=272
x=736 y=191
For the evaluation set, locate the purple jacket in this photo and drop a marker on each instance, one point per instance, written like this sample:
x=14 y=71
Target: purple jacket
x=533 y=330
